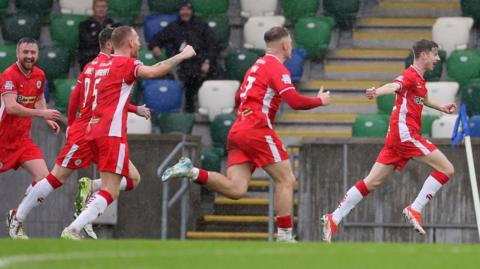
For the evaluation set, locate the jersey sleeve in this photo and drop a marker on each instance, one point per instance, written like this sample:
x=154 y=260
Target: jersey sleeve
x=7 y=84
x=131 y=70
x=404 y=81
x=280 y=80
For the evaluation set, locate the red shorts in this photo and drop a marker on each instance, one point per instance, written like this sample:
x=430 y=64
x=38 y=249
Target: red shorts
x=260 y=147
x=111 y=154
x=400 y=153
x=14 y=158
x=77 y=152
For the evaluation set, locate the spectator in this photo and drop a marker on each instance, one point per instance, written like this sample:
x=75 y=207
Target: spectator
x=89 y=31
x=188 y=29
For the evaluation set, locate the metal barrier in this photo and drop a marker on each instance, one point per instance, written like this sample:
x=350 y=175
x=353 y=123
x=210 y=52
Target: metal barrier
x=186 y=149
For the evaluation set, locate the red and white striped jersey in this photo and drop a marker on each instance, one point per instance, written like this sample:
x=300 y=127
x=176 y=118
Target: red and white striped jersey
x=87 y=84
x=260 y=93
x=13 y=129
x=406 y=118
x=114 y=82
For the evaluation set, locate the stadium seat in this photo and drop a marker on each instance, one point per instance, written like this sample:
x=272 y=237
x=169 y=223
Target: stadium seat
x=385 y=103
x=16 y=26
x=220 y=26
x=138 y=125
x=427 y=121
x=162 y=95
x=470 y=94
x=220 y=127
x=205 y=8
x=63 y=88
x=251 y=8
x=55 y=61
x=238 y=61
x=255 y=28
x=41 y=7
x=124 y=8
x=211 y=158
x=163 y=6
x=295 y=64
x=442 y=93
x=296 y=9
x=463 y=65
x=313 y=34
x=4 y=7
x=436 y=73
x=147 y=58
x=216 y=97
x=370 y=126
x=8 y=56
x=344 y=11
x=474 y=124
x=176 y=123
x=471 y=8
x=452 y=33
x=156 y=23
x=83 y=7
x=46 y=91
x=443 y=127
x=64 y=29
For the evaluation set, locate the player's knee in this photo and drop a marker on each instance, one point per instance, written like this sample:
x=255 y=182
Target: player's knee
x=238 y=192
x=449 y=170
x=136 y=181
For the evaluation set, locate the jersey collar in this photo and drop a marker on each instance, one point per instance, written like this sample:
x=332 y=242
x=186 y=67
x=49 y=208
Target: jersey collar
x=23 y=73
x=417 y=71
x=271 y=55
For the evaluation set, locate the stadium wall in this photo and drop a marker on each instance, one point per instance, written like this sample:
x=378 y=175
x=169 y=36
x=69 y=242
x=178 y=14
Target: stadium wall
x=329 y=167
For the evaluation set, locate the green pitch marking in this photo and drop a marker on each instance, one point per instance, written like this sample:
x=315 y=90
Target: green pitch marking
x=140 y=254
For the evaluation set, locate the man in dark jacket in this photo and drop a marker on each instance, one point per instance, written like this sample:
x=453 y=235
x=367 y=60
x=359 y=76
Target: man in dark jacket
x=89 y=30
x=190 y=30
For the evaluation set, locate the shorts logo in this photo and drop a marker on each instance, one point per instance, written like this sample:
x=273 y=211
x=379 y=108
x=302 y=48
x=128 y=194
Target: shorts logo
x=418 y=100
x=78 y=162
x=286 y=79
x=8 y=85
x=1 y=165
x=39 y=84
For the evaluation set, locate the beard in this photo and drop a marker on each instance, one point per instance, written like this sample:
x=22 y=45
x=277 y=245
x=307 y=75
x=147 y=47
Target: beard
x=27 y=64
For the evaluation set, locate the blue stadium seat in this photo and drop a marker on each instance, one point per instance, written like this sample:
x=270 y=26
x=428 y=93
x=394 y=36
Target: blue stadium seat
x=475 y=126
x=46 y=92
x=162 y=96
x=295 y=64
x=155 y=23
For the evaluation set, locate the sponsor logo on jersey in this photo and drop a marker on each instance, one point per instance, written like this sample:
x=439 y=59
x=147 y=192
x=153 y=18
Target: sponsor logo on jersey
x=25 y=100
x=39 y=84
x=418 y=100
x=286 y=79
x=8 y=85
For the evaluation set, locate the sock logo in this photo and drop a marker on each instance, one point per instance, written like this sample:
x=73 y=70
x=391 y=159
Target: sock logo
x=40 y=200
x=429 y=197
x=343 y=200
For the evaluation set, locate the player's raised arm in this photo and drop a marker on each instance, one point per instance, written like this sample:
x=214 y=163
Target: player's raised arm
x=300 y=102
x=386 y=89
x=164 y=67
x=448 y=108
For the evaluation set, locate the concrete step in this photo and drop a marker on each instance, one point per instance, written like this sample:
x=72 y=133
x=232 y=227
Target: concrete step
x=354 y=105
x=388 y=39
x=300 y=118
x=368 y=54
x=414 y=9
x=339 y=86
x=375 y=22
x=227 y=235
x=363 y=70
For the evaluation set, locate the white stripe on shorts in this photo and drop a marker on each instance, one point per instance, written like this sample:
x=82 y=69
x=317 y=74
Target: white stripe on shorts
x=273 y=148
x=69 y=155
x=121 y=159
x=420 y=146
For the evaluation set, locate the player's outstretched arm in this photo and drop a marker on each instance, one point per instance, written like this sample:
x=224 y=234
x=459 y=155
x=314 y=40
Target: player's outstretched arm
x=386 y=89
x=300 y=102
x=14 y=108
x=164 y=67
x=448 y=108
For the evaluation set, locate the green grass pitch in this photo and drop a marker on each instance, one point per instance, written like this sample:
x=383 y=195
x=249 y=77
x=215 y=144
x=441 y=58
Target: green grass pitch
x=139 y=254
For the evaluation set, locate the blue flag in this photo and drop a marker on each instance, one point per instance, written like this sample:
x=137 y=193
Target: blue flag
x=462 y=119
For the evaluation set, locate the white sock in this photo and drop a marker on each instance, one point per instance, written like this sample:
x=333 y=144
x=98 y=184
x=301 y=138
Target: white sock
x=284 y=233
x=97 y=184
x=195 y=172
x=349 y=201
x=35 y=196
x=95 y=208
x=430 y=187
